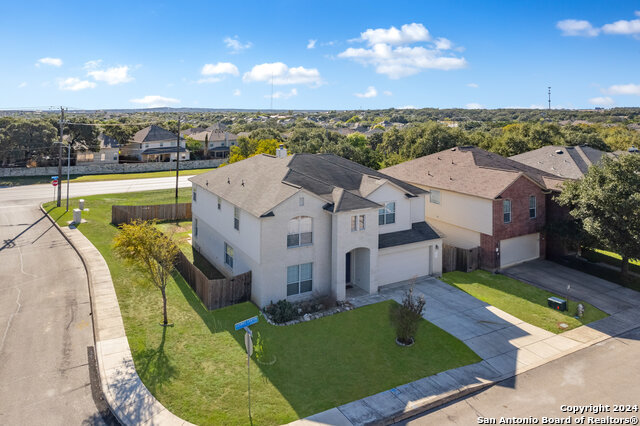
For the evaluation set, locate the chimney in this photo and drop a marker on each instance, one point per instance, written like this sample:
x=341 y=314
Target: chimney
x=281 y=151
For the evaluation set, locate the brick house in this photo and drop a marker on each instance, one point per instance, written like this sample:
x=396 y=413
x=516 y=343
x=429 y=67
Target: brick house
x=480 y=199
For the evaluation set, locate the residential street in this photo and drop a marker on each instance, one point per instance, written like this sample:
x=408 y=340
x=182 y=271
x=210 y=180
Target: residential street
x=606 y=373
x=46 y=335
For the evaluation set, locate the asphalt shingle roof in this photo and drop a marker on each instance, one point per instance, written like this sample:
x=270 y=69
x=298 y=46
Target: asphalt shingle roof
x=260 y=183
x=153 y=133
x=569 y=162
x=420 y=231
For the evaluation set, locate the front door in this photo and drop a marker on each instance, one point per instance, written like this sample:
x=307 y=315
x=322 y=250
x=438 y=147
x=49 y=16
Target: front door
x=347 y=269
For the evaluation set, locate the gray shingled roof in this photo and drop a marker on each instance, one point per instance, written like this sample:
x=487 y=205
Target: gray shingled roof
x=162 y=150
x=570 y=162
x=260 y=183
x=153 y=133
x=420 y=231
x=107 y=141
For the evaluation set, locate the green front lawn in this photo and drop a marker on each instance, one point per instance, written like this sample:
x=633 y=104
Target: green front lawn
x=32 y=180
x=198 y=369
x=524 y=301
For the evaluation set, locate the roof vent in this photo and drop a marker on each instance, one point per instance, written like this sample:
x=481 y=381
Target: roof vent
x=207 y=182
x=453 y=149
x=229 y=181
x=559 y=151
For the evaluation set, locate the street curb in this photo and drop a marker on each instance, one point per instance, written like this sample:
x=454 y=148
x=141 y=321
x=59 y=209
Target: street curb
x=128 y=399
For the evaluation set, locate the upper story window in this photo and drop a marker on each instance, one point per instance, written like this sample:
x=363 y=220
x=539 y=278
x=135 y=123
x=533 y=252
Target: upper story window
x=301 y=201
x=300 y=231
x=533 y=210
x=194 y=194
x=434 y=196
x=219 y=203
x=387 y=215
x=236 y=218
x=357 y=223
x=161 y=143
x=506 y=211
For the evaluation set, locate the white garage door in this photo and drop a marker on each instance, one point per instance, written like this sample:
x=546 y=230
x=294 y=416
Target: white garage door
x=519 y=249
x=398 y=265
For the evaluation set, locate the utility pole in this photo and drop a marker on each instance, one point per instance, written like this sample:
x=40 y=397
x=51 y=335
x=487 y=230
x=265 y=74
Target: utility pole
x=177 y=164
x=68 y=167
x=549 y=97
x=60 y=156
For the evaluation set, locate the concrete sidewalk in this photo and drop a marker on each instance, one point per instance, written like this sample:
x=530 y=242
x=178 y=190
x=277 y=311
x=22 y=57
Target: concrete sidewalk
x=507 y=345
x=128 y=398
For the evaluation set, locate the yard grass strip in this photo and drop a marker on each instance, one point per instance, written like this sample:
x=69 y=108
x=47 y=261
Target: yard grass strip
x=523 y=301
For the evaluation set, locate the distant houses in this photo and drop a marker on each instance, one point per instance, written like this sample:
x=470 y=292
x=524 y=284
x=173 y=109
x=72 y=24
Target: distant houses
x=216 y=141
x=153 y=143
x=109 y=152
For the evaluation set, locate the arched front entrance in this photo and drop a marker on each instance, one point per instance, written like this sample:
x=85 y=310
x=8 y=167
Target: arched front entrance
x=357 y=271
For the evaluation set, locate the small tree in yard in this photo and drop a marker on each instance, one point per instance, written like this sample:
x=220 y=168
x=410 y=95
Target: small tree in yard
x=607 y=204
x=141 y=243
x=406 y=317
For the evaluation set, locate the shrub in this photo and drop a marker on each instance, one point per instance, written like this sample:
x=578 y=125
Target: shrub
x=282 y=311
x=406 y=317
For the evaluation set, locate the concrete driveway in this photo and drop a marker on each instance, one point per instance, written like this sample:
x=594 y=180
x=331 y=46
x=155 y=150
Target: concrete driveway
x=605 y=295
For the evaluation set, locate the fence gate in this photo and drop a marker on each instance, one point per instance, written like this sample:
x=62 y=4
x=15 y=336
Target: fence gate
x=459 y=259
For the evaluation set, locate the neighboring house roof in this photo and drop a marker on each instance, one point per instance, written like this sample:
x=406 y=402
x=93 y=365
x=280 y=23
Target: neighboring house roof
x=260 y=183
x=192 y=131
x=469 y=170
x=420 y=231
x=569 y=162
x=162 y=150
x=107 y=141
x=151 y=134
x=214 y=135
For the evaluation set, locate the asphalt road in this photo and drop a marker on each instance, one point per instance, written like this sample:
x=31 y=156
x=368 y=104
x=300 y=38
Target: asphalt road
x=47 y=373
x=607 y=373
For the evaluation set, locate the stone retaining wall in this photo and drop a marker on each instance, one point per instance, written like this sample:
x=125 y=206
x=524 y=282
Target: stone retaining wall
x=98 y=169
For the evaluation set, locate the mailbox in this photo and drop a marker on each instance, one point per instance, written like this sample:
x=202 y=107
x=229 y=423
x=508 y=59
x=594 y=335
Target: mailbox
x=557 y=303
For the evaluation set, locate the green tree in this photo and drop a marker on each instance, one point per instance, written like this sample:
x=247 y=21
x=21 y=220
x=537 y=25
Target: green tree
x=142 y=244
x=606 y=201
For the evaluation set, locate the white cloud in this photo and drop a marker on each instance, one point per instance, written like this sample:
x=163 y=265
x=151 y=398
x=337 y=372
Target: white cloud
x=473 y=85
x=623 y=89
x=370 y=93
x=602 y=101
x=397 y=62
x=75 y=84
x=91 y=65
x=112 y=76
x=443 y=43
x=311 y=44
x=408 y=33
x=575 y=27
x=407 y=107
x=55 y=62
x=388 y=93
x=219 y=68
x=21 y=85
x=235 y=45
x=237 y=92
x=474 y=105
x=284 y=95
x=281 y=74
x=623 y=27
x=155 y=101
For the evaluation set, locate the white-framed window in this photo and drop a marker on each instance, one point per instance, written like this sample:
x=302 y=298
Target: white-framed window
x=161 y=144
x=195 y=227
x=194 y=195
x=434 y=196
x=533 y=210
x=299 y=279
x=387 y=214
x=115 y=157
x=358 y=223
x=219 y=203
x=506 y=211
x=228 y=255
x=301 y=201
x=300 y=232
x=236 y=218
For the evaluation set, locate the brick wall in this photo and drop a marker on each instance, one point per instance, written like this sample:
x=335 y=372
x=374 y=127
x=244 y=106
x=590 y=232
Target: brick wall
x=519 y=193
x=98 y=168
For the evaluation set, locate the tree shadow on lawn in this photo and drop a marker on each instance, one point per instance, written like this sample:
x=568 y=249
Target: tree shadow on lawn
x=155 y=366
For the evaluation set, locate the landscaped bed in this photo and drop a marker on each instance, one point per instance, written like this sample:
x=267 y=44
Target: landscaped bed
x=198 y=370
x=524 y=301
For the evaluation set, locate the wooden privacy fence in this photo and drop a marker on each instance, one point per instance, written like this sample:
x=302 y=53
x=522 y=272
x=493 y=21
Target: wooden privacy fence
x=126 y=214
x=459 y=259
x=216 y=293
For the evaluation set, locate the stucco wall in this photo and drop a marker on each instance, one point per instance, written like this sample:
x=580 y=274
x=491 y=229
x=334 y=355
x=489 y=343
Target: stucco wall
x=389 y=193
x=464 y=211
x=98 y=168
x=456 y=236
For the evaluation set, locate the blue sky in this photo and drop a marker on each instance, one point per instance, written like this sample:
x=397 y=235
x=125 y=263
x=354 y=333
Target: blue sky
x=319 y=55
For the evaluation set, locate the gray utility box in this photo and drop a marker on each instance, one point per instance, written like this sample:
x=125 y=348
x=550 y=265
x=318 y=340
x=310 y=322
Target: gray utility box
x=557 y=303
